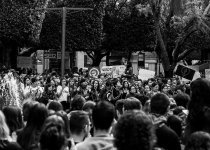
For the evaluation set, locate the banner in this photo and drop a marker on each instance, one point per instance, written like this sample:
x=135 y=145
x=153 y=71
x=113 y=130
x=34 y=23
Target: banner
x=146 y=74
x=115 y=71
x=185 y=72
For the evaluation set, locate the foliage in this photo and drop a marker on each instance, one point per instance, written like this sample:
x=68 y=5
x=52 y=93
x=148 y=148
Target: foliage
x=83 y=28
x=20 y=23
x=127 y=30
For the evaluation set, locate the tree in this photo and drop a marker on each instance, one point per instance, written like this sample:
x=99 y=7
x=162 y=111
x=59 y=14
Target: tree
x=179 y=21
x=125 y=30
x=20 y=26
x=83 y=28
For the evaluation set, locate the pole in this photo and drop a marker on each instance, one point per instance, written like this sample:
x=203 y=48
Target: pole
x=63 y=41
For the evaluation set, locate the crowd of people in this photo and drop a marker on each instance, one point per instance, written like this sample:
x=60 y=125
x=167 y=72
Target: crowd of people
x=78 y=112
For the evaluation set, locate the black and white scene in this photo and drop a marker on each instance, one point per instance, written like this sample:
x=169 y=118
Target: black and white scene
x=104 y=74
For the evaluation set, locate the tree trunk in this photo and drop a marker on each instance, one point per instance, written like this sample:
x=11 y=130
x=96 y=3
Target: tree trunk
x=164 y=54
x=107 y=58
x=97 y=59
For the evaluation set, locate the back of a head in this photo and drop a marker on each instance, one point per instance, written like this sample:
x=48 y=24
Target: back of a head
x=28 y=104
x=89 y=105
x=53 y=135
x=37 y=115
x=198 y=141
x=55 y=105
x=199 y=104
x=182 y=99
x=13 y=117
x=77 y=121
x=175 y=123
x=134 y=130
x=159 y=104
x=200 y=91
x=132 y=103
x=77 y=102
x=103 y=115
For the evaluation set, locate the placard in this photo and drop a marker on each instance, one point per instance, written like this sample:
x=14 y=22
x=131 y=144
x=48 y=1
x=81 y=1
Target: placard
x=94 y=72
x=146 y=74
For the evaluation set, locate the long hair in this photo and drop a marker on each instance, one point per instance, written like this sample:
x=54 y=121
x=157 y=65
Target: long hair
x=13 y=118
x=4 y=129
x=200 y=97
x=29 y=137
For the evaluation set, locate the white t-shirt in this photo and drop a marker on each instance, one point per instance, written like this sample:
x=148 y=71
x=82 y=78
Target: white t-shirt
x=64 y=93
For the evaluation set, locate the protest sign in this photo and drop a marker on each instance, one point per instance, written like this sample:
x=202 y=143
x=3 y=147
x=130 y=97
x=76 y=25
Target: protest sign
x=146 y=74
x=94 y=72
x=115 y=71
x=185 y=72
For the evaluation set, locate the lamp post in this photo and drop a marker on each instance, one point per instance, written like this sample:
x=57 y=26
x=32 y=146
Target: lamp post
x=64 y=11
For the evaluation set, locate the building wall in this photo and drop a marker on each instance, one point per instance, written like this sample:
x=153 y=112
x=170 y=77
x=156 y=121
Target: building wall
x=151 y=62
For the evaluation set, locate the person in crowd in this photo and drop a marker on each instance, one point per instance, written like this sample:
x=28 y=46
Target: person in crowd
x=198 y=141
x=103 y=117
x=199 y=108
x=82 y=89
x=119 y=106
x=134 y=130
x=55 y=106
x=53 y=134
x=95 y=91
x=131 y=103
x=14 y=119
x=63 y=94
x=166 y=137
x=27 y=105
x=106 y=91
x=6 y=142
x=125 y=89
x=77 y=102
x=79 y=123
x=28 y=138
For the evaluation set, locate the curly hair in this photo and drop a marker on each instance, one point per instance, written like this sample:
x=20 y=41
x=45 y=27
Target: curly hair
x=135 y=131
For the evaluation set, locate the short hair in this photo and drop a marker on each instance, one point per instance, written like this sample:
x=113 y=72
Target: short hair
x=134 y=130
x=77 y=121
x=198 y=141
x=132 y=103
x=182 y=99
x=103 y=115
x=77 y=102
x=88 y=105
x=55 y=105
x=159 y=103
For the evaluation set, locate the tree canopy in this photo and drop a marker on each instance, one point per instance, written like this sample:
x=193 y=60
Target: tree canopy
x=20 y=22
x=83 y=28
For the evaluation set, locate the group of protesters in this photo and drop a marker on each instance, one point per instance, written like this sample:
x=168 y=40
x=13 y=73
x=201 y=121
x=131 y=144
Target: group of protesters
x=79 y=112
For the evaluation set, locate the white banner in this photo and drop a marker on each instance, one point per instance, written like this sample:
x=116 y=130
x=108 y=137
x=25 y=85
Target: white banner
x=146 y=74
x=115 y=71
